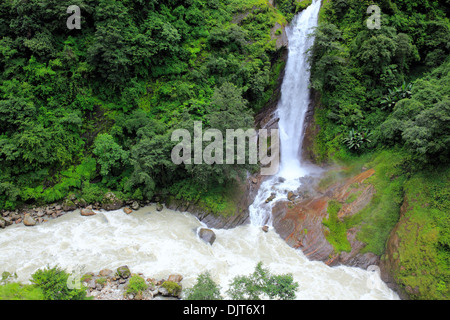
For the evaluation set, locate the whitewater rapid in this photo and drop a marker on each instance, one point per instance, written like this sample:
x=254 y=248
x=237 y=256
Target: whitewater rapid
x=158 y=244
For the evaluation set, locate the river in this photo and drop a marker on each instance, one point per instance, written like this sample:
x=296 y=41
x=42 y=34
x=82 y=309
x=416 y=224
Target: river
x=158 y=244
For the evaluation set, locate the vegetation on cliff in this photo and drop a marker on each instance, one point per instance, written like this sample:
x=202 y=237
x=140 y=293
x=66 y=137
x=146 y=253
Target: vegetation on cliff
x=384 y=104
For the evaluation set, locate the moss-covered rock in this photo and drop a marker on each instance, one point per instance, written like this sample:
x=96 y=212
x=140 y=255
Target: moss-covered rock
x=123 y=272
x=171 y=289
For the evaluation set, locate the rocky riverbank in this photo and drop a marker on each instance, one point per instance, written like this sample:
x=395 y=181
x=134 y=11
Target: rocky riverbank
x=38 y=215
x=118 y=285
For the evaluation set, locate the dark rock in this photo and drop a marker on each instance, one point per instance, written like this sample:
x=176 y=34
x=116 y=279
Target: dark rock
x=207 y=235
x=7 y=220
x=159 y=207
x=111 y=202
x=69 y=205
x=2 y=223
x=135 y=205
x=270 y=199
x=81 y=203
x=265 y=229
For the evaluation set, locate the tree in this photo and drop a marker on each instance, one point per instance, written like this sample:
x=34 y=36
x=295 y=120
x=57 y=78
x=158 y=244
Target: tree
x=53 y=283
x=204 y=289
x=110 y=155
x=262 y=284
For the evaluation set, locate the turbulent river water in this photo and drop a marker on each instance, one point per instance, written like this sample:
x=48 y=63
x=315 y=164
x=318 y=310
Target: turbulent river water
x=162 y=243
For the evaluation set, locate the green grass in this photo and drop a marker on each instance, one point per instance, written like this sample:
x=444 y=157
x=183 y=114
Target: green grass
x=379 y=217
x=17 y=291
x=424 y=249
x=337 y=230
x=352 y=198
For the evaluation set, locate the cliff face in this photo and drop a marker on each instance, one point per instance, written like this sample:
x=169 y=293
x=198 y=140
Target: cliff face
x=300 y=221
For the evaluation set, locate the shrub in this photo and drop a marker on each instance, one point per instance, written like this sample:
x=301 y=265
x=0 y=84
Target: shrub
x=136 y=285
x=355 y=139
x=337 y=235
x=173 y=288
x=53 y=283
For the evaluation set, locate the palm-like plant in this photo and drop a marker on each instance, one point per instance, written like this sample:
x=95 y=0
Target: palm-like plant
x=356 y=139
x=397 y=94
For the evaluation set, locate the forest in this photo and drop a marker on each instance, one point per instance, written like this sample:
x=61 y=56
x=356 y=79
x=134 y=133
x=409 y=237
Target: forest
x=91 y=110
x=88 y=111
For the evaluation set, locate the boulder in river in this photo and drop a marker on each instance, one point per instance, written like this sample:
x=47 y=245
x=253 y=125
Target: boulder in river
x=291 y=196
x=135 y=205
x=271 y=198
x=127 y=210
x=87 y=212
x=159 y=207
x=207 y=235
x=175 y=278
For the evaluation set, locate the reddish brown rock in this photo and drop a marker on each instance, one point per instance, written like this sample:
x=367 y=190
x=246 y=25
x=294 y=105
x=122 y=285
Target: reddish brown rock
x=87 y=212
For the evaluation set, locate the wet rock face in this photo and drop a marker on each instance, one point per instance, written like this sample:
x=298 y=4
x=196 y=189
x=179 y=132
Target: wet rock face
x=299 y=221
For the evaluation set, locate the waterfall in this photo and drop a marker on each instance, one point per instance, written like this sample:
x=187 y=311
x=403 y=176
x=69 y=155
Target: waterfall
x=292 y=107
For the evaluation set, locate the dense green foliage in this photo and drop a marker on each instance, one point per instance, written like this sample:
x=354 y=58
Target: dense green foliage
x=425 y=266
x=261 y=284
x=91 y=110
x=54 y=285
x=336 y=234
x=17 y=291
x=391 y=83
x=204 y=289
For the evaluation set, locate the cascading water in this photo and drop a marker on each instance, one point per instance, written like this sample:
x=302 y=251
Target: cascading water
x=295 y=98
